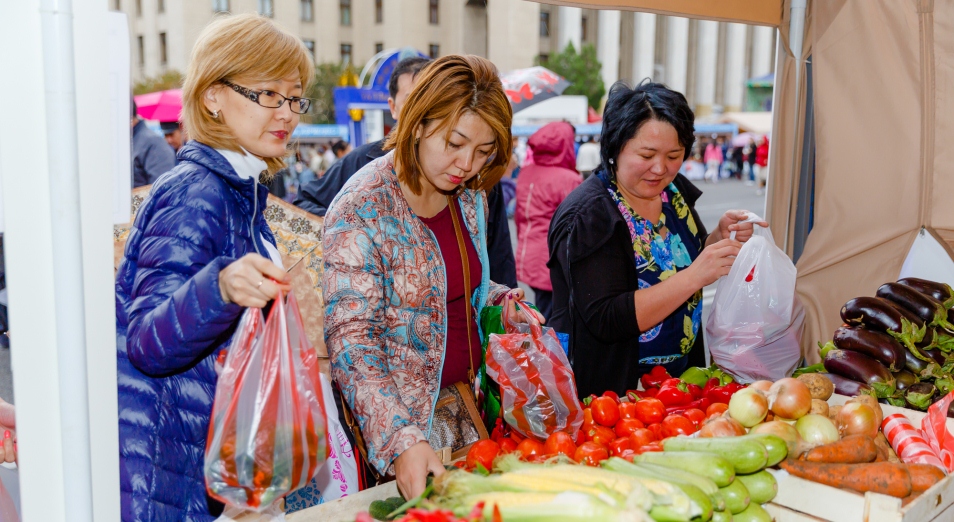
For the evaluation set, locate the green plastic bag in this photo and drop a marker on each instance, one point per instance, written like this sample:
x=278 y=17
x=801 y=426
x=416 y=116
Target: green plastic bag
x=490 y=323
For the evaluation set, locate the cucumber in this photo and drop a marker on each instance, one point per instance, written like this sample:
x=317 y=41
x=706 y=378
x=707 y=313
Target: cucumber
x=745 y=455
x=705 y=484
x=753 y=513
x=695 y=494
x=722 y=516
x=713 y=467
x=776 y=446
x=736 y=497
x=380 y=509
x=762 y=486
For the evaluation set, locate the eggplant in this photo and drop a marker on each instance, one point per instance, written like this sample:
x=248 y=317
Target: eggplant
x=882 y=347
x=919 y=396
x=859 y=367
x=936 y=355
x=878 y=314
x=916 y=365
x=928 y=309
x=941 y=292
x=846 y=386
x=903 y=379
x=950 y=411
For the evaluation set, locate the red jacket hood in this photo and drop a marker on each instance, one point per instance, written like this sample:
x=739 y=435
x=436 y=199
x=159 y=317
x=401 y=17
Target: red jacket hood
x=552 y=145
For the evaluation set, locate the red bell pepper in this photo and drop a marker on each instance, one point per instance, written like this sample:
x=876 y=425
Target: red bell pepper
x=721 y=393
x=699 y=404
x=674 y=392
x=635 y=395
x=695 y=391
x=612 y=395
x=655 y=377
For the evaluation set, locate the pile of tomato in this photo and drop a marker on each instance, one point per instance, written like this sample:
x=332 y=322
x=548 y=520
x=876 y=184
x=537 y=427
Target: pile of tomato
x=611 y=427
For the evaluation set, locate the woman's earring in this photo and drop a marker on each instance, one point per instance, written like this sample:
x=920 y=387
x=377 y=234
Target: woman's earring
x=417 y=140
x=215 y=114
x=610 y=161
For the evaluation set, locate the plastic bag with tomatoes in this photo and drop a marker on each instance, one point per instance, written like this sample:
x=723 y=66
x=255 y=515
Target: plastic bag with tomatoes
x=267 y=436
x=537 y=387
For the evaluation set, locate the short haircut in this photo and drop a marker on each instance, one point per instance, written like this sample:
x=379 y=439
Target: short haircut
x=446 y=89
x=628 y=109
x=410 y=65
x=239 y=48
x=339 y=146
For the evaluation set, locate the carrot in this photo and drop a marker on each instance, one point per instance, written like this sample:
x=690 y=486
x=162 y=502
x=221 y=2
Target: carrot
x=878 y=477
x=882 y=443
x=923 y=476
x=853 y=449
x=882 y=454
x=910 y=498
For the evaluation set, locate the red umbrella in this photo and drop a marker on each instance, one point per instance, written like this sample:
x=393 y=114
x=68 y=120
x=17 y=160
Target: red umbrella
x=526 y=87
x=160 y=106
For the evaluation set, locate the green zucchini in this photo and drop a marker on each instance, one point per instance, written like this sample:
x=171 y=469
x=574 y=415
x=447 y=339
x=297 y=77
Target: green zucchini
x=776 y=446
x=722 y=516
x=694 y=493
x=753 y=513
x=705 y=484
x=713 y=467
x=663 y=513
x=745 y=455
x=762 y=486
x=736 y=497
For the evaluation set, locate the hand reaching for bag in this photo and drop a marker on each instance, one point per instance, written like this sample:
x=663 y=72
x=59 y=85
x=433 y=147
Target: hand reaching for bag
x=252 y=281
x=517 y=294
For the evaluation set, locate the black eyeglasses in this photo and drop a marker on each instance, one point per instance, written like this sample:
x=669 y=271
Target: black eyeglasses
x=271 y=99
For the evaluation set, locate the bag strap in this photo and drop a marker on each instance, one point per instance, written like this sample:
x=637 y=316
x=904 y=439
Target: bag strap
x=465 y=261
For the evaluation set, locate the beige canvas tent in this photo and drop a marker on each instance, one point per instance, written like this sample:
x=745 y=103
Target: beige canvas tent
x=882 y=74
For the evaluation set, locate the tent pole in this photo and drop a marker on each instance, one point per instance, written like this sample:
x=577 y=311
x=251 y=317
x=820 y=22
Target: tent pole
x=796 y=37
x=44 y=261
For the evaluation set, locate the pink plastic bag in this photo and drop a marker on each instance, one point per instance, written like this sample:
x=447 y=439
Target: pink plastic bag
x=268 y=431
x=537 y=388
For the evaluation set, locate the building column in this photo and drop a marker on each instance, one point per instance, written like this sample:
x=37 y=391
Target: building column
x=762 y=51
x=644 y=47
x=734 y=66
x=677 y=53
x=707 y=52
x=570 y=28
x=607 y=46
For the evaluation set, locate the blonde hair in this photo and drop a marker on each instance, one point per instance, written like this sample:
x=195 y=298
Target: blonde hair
x=237 y=48
x=444 y=90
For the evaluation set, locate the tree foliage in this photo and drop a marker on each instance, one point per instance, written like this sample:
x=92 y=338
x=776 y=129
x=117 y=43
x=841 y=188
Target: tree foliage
x=581 y=69
x=171 y=79
x=323 y=103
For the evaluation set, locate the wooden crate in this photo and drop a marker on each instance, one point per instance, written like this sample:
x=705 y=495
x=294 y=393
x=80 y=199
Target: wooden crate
x=801 y=500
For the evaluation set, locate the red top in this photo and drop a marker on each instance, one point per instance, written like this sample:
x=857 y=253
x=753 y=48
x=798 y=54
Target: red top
x=455 y=356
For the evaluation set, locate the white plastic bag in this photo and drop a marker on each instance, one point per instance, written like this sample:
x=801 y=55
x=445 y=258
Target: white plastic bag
x=755 y=324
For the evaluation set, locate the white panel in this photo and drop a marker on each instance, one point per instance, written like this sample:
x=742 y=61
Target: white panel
x=927 y=259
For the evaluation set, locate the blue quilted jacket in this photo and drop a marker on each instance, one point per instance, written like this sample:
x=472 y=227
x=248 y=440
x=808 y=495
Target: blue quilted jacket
x=171 y=322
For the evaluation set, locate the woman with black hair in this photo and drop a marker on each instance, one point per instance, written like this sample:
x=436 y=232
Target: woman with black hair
x=629 y=255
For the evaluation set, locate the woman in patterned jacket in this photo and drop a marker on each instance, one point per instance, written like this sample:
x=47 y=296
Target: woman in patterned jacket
x=395 y=321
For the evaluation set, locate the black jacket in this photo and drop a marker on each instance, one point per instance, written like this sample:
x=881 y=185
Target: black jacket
x=316 y=197
x=594 y=278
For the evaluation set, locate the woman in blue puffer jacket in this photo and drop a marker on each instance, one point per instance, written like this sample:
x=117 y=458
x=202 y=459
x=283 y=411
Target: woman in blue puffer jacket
x=198 y=254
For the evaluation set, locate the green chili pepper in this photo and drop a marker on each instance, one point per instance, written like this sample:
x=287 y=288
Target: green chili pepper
x=695 y=375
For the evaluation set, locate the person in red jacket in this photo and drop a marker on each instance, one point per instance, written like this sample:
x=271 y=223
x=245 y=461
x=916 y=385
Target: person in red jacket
x=761 y=162
x=541 y=187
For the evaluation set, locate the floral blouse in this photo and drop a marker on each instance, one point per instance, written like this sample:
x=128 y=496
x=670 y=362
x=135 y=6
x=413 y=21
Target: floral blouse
x=660 y=251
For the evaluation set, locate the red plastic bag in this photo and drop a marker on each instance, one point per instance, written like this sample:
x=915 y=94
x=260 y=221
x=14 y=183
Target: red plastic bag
x=537 y=388
x=932 y=444
x=268 y=431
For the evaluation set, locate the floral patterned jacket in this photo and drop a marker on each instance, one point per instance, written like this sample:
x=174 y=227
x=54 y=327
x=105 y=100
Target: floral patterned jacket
x=385 y=311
